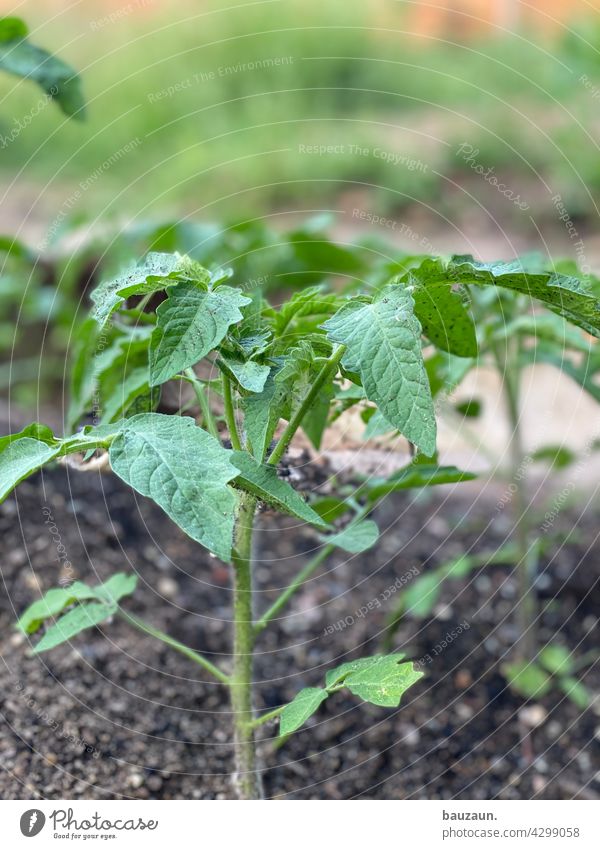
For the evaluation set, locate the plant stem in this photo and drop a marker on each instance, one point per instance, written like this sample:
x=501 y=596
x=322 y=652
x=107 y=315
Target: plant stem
x=247 y=777
x=272 y=714
x=526 y=609
x=230 y=414
x=198 y=658
x=207 y=416
x=296 y=420
x=289 y=591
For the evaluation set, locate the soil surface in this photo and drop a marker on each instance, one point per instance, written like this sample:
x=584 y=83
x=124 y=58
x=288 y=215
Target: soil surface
x=118 y=715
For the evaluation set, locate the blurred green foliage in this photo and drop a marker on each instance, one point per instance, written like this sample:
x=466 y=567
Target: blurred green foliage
x=220 y=106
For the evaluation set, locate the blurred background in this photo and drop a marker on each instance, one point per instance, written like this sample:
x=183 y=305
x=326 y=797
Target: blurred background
x=287 y=105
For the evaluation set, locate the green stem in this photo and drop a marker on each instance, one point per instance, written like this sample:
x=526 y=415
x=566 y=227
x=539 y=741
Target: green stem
x=230 y=414
x=207 y=416
x=289 y=591
x=509 y=368
x=247 y=777
x=272 y=714
x=174 y=644
x=296 y=420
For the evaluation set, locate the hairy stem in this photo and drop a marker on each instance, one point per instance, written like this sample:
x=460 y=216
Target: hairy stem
x=198 y=658
x=207 y=417
x=296 y=420
x=526 y=609
x=230 y=414
x=247 y=778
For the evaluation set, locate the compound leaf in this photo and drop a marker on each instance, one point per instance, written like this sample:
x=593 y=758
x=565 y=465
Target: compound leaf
x=562 y=294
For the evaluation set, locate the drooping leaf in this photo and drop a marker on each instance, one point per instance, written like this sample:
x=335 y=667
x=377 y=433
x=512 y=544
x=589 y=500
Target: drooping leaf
x=262 y=480
x=190 y=324
x=442 y=312
x=562 y=294
x=184 y=470
x=74 y=622
x=383 y=342
x=22 y=458
x=57 y=79
x=250 y=375
x=305 y=703
x=356 y=537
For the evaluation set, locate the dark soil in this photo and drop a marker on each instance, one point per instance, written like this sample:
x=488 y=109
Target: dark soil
x=117 y=714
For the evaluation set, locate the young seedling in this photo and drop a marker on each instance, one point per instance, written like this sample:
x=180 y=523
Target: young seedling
x=252 y=366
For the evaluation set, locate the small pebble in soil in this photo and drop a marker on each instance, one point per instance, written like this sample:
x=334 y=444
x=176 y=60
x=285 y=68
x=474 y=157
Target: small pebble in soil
x=533 y=715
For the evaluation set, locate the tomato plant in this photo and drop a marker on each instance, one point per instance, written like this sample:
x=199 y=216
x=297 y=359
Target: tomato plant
x=252 y=367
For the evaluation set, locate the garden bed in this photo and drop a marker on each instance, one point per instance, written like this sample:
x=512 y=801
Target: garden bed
x=121 y=716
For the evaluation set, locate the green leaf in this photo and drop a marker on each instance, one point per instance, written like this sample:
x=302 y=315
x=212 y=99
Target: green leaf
x=35 y=430
x=383 y=341
x=23 y=59
x=157 y=272
x=262 y=412
x=190 y=324
x=336 y=676
x=117 y=587
x=250 y=375
x=330 y=508
x=384 y=681
x=262 y=480
x=51 y=604
x=442 y=311
x=556 y=659
x=471 y=408
x=22 y=458
x=564 y=295
x=416 y=476
x=576 y=691
x=184 y=470
x=305 y=703
x=421 y=596
x=72 y=623
x=55 y=600
x=557 y=455
x=528 y=679
x=357 y=537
